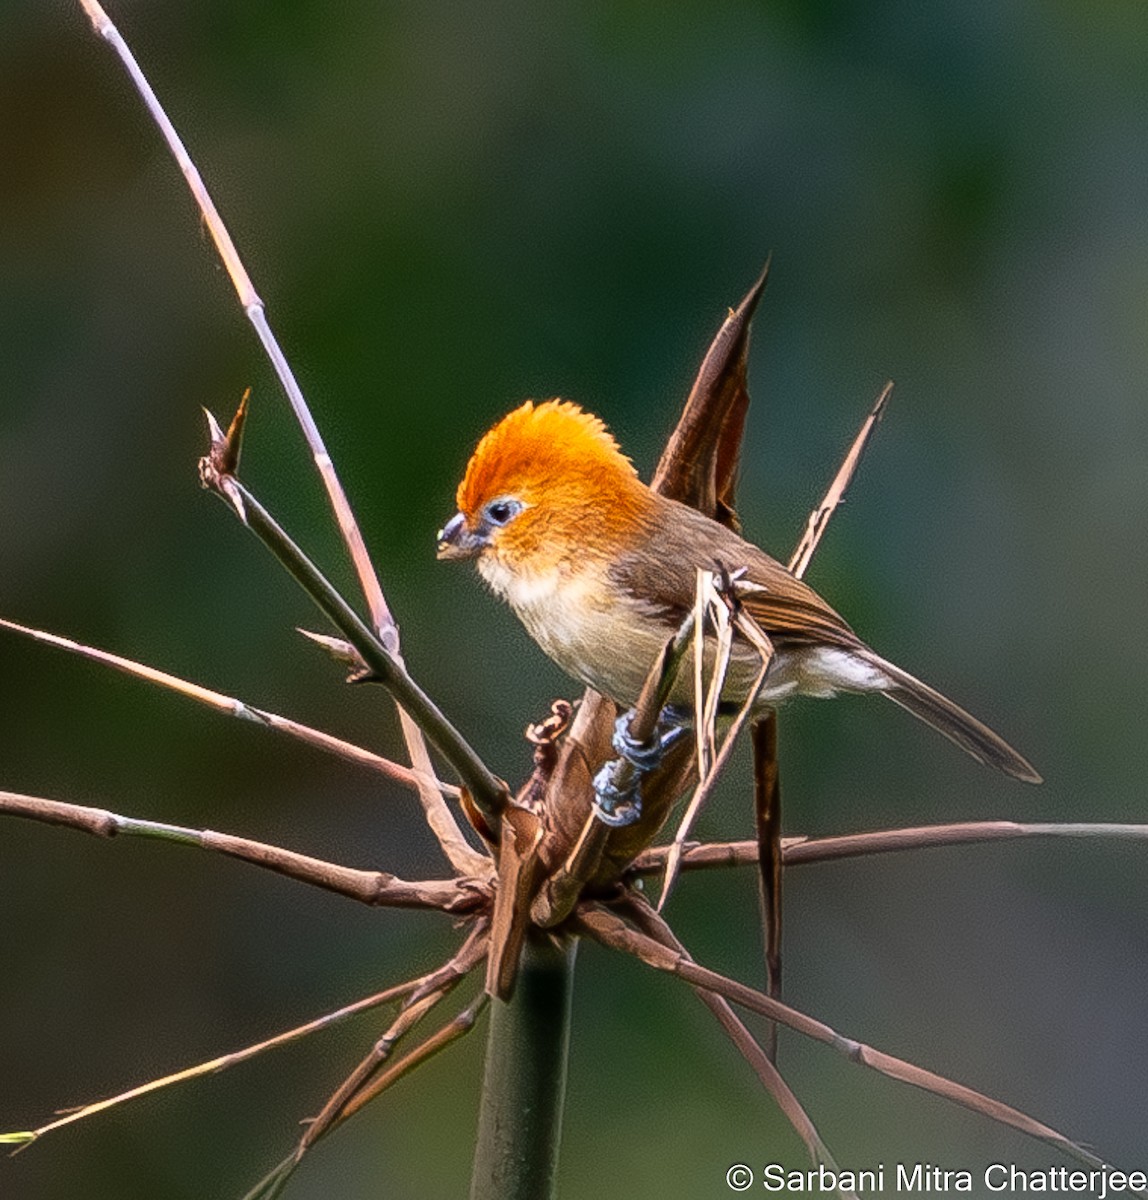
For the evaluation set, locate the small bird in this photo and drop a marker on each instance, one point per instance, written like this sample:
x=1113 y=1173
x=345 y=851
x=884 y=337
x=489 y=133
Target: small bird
x=602 y=571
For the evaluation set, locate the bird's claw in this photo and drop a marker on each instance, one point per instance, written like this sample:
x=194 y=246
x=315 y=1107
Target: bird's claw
x=619 y=803
x=645 y=756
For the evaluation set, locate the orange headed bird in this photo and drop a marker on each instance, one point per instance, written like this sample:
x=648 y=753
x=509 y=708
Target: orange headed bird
x=602 y=571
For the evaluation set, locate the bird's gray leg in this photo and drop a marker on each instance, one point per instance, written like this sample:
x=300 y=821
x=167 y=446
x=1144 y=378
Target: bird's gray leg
x=617 y=786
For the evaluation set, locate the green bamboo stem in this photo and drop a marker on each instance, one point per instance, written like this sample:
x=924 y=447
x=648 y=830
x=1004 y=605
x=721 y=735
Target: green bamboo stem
x=524 y=1085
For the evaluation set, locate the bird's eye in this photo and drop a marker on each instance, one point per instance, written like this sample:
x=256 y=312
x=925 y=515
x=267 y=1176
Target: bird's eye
x=499 y=512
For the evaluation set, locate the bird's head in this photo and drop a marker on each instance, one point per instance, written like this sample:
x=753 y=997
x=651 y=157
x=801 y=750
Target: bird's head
x=545 y=486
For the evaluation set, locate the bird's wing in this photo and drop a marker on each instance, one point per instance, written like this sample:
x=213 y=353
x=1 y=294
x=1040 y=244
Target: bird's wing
x=789 y=610
x=679 y=541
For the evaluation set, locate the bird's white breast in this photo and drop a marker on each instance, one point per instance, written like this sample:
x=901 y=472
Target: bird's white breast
x=579 y=622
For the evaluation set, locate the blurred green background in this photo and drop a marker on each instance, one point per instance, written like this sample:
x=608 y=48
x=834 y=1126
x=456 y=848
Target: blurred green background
x=450 y=207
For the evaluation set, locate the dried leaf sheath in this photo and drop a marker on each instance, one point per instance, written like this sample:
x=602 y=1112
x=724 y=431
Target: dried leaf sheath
x=700 y=462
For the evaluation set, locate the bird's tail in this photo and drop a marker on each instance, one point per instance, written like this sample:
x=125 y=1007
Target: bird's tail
x=950 y=719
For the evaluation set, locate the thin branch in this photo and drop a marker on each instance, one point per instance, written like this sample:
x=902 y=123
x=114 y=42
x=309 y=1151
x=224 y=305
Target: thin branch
x=255 y=309
x=819 y=518
x=697 y=856
x=611 y=931
x=920 y=837
x=231 y=707
x=461 y=855
x=369 y=887
x=459 y=852
x=488 y=792
x=431 y=990
x=215 y=1065
x=655 y=926
x=412 y=1013
x=273 y=1183
x=797 y=850
x=703 y=730
x=442 y=823
x=459 y=1025
x=719 y=614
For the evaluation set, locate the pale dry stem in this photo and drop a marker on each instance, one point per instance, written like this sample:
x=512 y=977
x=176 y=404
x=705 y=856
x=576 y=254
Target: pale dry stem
x=231 y=707
x=819 y=518
x=752 y=632
x=439 y=816
x=458 y=895
x=458 y=1026
x=434 y=988
x=798 y=850
x=215 y=1065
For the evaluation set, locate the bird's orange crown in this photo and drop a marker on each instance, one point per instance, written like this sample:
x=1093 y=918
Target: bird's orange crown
x=540 y=445
x=563 y=465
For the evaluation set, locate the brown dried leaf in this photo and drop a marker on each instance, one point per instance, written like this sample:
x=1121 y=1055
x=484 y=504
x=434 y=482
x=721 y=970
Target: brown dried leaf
x=699 y=464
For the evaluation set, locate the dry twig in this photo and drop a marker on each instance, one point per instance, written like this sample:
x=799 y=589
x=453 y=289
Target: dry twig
x=215 y=1065
x=231 y=707
x=439 y=816
x=797 y=850
x=611 y=931
x=654 y=925
x=819 y=518
x=458 y=895
x=751 y=631
x=356 y=1089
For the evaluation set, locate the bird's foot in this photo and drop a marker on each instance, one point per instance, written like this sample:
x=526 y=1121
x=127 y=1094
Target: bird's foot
x=617 y=786
x=645 y=756
x=617 y=794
